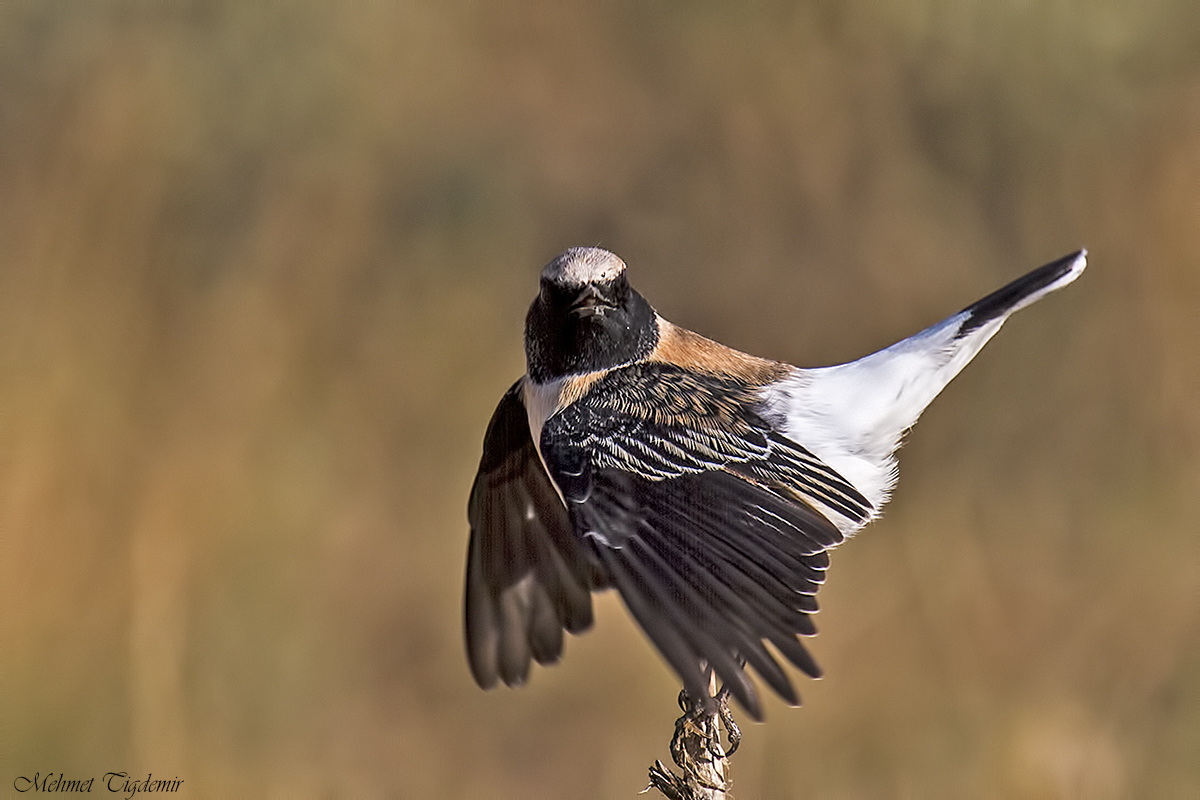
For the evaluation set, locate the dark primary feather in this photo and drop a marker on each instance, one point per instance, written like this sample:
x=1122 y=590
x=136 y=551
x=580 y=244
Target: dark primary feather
x=527 y=577
x=683 y=496
x=702 y=514
x=706 y=578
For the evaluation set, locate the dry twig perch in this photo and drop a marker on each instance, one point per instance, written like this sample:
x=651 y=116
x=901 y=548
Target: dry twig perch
x=697 y=750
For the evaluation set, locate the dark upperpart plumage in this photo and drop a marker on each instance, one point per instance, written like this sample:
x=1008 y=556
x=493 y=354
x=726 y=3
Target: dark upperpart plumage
x=706 y=485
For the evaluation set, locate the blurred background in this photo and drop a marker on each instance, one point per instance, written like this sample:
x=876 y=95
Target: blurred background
x=263 y=275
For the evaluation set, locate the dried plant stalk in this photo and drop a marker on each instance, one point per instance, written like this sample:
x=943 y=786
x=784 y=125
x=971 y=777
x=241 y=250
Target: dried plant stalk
x=696 y=749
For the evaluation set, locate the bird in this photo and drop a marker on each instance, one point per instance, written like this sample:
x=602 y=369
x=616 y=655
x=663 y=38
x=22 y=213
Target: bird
x=705 y=485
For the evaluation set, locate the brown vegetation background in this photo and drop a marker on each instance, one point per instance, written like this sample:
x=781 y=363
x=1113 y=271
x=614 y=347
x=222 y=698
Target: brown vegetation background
x=263 y=272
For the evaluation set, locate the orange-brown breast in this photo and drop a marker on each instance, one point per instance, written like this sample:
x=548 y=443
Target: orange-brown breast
x=577 y=386
x=692 y=351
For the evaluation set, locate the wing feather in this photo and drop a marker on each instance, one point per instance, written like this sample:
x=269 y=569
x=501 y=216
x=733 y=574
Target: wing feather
x=706 y=579
x=683 y=496
x=661 y=421
x=527 y=577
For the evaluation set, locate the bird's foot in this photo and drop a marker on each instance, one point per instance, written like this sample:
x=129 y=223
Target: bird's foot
x=731 y=727
x=700 y=723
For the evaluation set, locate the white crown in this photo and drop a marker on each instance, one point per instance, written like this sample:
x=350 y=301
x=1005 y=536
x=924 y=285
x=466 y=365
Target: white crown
x=583 y=265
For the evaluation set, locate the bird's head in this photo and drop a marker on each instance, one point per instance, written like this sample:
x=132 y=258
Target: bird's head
x=586 y=317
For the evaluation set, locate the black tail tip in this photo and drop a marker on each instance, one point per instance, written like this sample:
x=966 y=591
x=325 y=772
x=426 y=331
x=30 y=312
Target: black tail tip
x=1024 y=290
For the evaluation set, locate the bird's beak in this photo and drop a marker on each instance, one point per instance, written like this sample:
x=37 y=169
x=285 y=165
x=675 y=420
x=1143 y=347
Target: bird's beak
x=590 y=303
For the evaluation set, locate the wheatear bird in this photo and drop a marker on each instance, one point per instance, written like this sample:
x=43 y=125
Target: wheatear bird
x=706 y=485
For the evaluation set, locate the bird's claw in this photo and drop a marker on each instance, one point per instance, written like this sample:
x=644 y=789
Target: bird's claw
x=731 y=727
x=701 y=720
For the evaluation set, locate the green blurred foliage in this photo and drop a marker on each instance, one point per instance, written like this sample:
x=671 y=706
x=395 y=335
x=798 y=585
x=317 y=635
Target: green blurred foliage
x=263 y=272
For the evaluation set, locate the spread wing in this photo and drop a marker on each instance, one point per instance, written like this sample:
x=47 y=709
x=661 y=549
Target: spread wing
x=661 y=421
x=527 y=577
x=702 y=516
